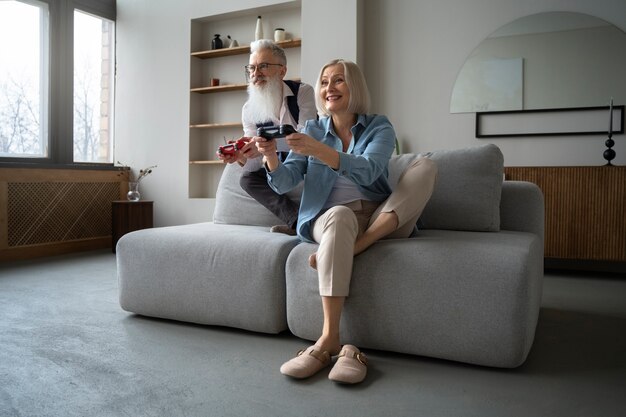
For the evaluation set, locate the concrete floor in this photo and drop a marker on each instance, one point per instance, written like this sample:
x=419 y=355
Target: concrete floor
x=67 y=349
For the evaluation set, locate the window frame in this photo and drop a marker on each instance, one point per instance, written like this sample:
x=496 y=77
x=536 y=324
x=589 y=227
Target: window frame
x=60 y=84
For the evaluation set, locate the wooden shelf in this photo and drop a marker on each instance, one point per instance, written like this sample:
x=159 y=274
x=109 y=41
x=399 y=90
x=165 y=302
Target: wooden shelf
x=224 y=88
x=213 y=117
x=215 y=125
x=212 y=162
x=219 y=88
x=240 y=50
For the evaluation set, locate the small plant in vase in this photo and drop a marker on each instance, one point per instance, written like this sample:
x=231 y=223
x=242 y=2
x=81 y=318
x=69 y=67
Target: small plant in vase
x=133 y=184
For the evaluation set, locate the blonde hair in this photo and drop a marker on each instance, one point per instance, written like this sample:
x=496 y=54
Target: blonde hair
x=359 y=102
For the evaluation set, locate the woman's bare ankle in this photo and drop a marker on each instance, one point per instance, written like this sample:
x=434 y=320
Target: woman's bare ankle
x=360 y=245
x=331 y=345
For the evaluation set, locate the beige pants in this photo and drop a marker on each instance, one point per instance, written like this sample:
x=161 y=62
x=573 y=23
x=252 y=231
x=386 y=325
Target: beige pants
x=337 y=229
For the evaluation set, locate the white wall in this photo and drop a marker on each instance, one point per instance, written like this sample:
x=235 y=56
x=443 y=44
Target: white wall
x=411 y=51
x=567 y=68
x=152 y=102
x=329 y=31
x=415 y=50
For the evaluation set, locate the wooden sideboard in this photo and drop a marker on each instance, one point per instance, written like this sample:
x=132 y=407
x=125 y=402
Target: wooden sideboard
x=585 y=207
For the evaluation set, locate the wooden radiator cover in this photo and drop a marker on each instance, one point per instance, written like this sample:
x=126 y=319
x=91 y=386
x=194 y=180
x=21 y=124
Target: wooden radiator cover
x=585 y=216
x=53 y=211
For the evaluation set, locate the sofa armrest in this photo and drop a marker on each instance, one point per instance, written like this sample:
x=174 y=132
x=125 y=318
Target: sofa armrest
x=522 y=208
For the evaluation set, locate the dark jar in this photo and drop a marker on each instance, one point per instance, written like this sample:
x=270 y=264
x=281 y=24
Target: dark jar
x=216 y=42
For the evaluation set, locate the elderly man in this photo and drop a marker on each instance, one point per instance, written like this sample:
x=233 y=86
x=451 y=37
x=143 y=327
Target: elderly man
x=272 y=101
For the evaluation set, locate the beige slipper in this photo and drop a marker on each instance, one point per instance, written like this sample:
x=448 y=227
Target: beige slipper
x=307 y=363
x=351 y=367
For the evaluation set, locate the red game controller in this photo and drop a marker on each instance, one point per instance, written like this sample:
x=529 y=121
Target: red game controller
x=231 y=148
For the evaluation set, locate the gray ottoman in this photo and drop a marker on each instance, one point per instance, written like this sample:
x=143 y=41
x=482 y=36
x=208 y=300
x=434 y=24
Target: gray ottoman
x=226 y=275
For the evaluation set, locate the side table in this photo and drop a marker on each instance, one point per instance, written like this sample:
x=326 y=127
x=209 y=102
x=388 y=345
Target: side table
x=128 y=216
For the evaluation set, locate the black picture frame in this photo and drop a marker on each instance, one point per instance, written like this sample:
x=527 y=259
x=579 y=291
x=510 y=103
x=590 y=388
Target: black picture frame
x=553 y=119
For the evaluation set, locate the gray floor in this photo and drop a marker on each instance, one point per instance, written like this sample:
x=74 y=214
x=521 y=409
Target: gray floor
x=67 y=349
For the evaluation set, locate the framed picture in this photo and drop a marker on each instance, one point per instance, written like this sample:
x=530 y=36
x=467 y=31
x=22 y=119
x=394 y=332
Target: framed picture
x=549 y=122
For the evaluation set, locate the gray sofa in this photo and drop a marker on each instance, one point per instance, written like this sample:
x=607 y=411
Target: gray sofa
x=466 y=288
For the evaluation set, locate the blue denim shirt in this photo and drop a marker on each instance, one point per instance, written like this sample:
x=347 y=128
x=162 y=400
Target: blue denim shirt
x=365 y=163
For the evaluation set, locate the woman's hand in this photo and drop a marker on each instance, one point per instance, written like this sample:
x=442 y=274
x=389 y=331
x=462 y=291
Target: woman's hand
x=267 y=148
x=305 y=145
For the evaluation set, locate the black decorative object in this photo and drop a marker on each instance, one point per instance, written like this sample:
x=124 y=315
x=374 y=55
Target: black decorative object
x=609 y=154
x=216 y=42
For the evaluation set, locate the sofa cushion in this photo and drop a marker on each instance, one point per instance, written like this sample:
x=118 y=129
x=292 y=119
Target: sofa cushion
x=466 y=196
x=466 y=296
x=235 y=206
x=468 y=190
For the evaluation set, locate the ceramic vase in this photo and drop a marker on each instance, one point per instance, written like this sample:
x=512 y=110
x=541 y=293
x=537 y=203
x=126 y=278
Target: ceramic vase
x=258 y=34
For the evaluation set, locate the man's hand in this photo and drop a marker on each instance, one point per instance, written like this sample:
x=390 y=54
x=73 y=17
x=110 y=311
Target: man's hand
x=250 y=151
x=236 y=152
x=228 y=158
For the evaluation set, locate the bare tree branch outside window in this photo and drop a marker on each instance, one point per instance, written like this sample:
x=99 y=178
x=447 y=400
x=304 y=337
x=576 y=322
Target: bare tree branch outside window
x=20 y=77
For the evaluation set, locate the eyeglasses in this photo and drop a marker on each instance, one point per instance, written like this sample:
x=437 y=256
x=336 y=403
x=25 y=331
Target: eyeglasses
x=250 y=69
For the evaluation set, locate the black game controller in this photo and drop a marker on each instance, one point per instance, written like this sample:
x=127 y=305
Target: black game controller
x=271 y=132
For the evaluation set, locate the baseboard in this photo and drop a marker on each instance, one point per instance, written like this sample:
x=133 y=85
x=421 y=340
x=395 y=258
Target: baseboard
x=585 y=265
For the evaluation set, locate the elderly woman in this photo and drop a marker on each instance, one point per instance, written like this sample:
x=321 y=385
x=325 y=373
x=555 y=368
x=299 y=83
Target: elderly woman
x=347 y=203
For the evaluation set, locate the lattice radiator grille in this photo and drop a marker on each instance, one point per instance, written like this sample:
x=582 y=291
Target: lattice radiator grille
x=45 y=212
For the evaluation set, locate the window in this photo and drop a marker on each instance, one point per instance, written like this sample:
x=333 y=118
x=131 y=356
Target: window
x=93 y=88
x=57 y=82
x=23 y=79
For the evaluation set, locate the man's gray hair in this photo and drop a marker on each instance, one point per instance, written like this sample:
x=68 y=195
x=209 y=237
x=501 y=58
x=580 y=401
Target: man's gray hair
x=269 y=44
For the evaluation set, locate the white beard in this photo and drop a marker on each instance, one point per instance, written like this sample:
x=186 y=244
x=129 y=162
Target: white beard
x=264 y=102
